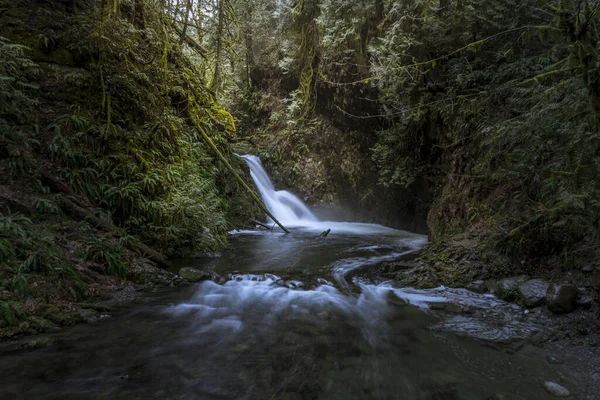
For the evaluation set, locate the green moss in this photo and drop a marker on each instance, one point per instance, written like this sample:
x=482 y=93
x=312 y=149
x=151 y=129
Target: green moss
x=43 y=341
x=60 y=317
x=42 y=325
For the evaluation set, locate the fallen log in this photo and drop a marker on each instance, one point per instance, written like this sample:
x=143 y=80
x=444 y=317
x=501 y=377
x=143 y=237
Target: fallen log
x=263 y=225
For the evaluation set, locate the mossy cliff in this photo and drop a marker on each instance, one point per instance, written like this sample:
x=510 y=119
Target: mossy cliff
x=476 y=120
x=101 y=158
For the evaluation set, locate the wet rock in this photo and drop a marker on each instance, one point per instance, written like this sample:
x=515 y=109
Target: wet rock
x=507 y=289
x=322 y=281
x=394 y=300
x=145 y=272
x=194 y=275
x=42 y=341
x=272 y=277
x=555 y=389
x=58 y=316
x=584 y=302
x=533 y=292
x=478 y=287
x=294 y=284
x=561 y=298
x=43 y=325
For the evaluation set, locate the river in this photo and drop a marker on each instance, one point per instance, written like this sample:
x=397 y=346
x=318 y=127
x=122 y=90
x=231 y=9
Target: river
x=294 y=317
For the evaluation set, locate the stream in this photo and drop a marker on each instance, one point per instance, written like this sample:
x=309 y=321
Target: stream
x=294 y=317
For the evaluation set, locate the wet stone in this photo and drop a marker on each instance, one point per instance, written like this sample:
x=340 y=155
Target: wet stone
x=194 y=275
x=507 y=289
x=561 y=298
x=533 y=292
x=555 y=389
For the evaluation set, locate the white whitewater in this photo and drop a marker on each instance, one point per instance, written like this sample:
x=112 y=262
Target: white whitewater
x=293 y=213
x=286 y=207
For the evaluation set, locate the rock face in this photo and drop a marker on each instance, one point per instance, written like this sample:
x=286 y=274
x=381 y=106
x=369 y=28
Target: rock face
x=533 y=292
x=561 y=298
x=194 y=275
x=508 y=289
x=555 y=389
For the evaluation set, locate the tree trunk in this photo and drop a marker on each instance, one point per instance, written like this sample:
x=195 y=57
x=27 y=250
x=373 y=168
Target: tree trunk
x=217 y=72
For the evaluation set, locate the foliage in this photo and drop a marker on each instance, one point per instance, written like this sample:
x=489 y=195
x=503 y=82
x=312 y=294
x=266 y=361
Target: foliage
x=25 y=250
x=140 y=158
x=470 y=116
x=99 y=151
x=11 y=313
x=109 y=252
x=17 y=105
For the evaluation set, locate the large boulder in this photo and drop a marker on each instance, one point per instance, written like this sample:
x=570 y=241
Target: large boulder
x=144 y=272
x=194 y=275
x=561 y=298
x=508 y=289
x=533 y=293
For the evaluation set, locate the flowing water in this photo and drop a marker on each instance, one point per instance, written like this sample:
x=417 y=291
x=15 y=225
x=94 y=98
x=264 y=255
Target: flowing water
x=295 y=316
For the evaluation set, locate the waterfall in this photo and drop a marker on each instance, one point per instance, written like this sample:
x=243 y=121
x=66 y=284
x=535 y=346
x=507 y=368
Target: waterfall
x=293 y=213
x=286 y=207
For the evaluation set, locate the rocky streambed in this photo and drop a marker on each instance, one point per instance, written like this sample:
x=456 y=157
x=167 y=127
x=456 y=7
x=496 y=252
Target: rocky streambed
x=306 y=317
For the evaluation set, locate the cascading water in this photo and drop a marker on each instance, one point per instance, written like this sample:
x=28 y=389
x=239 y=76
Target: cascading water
x=293 y=213
x=286 y=207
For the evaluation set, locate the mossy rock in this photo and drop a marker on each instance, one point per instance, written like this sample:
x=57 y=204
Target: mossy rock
x=42 y=341
x=43 y=325
x=146 y=273
x=58 y=316
x=194 y=275
x=508 y=289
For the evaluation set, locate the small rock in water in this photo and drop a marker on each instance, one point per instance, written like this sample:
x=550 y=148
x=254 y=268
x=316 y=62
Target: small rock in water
x=561 y=298
x=272 y=277
x=478 y=287
x=533 y=292
x=294 y=284
x=324 y=282
x=194 y=275
x=555 y=389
